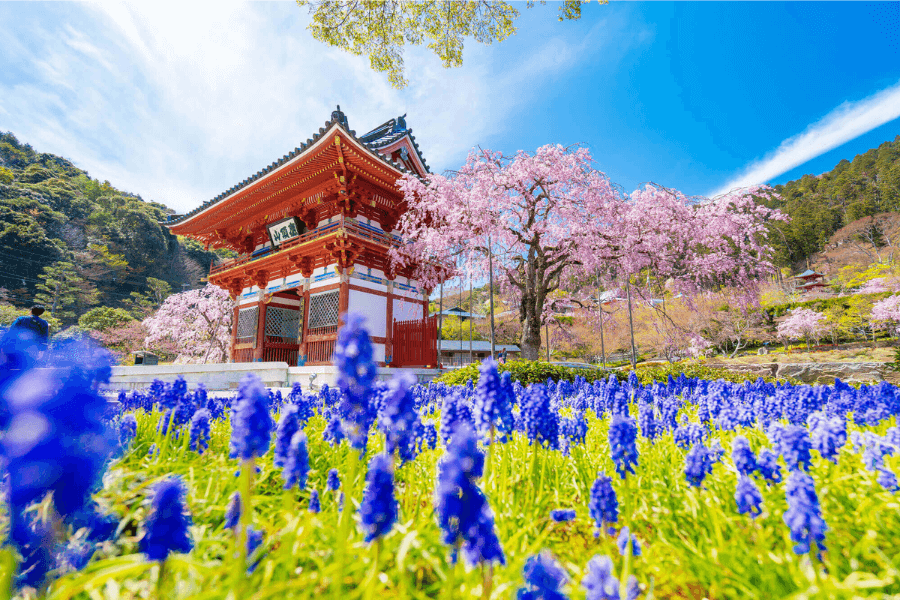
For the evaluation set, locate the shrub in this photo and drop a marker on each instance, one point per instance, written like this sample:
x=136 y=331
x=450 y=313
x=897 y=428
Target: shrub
x=527 y=372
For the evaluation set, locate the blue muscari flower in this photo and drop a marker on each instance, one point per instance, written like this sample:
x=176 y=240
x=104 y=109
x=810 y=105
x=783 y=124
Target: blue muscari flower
x=75 y=556
x=100 y=527
x=748 y=497
x=152 y=450
x=688 y=434
x=399 y=418
x=599 y=581
x=541 y=422
x=215 y=407
x=166 y=527
x=333 y=434
x=888 y=480
x=492 y=402
x=647 y=420
x=743 y=457
x=460 y=506
x=378 y=509
x=429 y=436
x=562 y=515
x=251 y=426
x=288 y=425
x=255 y=539
x=333 y=482
x=167 y=420
x=603 y=505
x=296 y=467
x=698 y=464
x=453 y=412
x=793 y=443
x=356 y=379
x=200 y=431
x=544 y=579
x=829 y=434
x=633 y=588
x=314 y=505
x=233 y=512
x=36 y=543
x=803 y=515
x=55 y=437
x=874 y=449
x=622 y=542
x=127 y=429
x=768 y=467
x=623 y=444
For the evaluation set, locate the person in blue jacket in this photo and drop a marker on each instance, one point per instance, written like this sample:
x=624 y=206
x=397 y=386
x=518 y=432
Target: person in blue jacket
x=29 y=334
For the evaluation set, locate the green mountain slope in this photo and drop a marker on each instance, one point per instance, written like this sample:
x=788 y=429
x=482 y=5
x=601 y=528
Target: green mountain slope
x=85 y=242
x=820 y=205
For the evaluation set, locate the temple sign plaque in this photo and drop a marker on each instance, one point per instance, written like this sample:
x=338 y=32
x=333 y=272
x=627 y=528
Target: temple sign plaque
x=284 y=230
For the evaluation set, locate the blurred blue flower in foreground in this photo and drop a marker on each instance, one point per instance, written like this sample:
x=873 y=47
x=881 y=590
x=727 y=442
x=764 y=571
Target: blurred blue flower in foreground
x=462 y=509
x=378 y=509
x=544 y=578
x=804 y=516
x=251 y=425
x=166 y=526
x=562 y=515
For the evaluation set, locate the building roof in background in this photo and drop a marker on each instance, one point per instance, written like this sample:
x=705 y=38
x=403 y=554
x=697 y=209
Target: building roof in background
x=808 y=273
x=477 y=346
x=458 y=312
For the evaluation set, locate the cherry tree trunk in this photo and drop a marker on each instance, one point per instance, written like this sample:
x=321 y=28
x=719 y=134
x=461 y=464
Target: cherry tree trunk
x=531 y=337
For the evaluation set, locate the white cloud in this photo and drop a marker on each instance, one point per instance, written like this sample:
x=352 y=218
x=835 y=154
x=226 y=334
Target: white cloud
x=179 y=102
x=846 y=122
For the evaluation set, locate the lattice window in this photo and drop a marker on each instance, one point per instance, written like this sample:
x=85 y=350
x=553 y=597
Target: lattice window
x=246 y=325
x=283 y=323
x=323 y=310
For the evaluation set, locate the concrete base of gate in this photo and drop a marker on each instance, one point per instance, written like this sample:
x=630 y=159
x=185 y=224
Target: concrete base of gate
x=223 y=377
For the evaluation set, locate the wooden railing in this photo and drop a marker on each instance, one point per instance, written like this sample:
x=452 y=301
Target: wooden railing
x=320 y=331
x=320 y=232
x=243 y=355
x=319 y=352
x=281 y=354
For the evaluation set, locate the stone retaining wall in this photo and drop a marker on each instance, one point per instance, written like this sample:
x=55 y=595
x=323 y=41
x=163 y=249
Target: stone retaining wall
x=825 y=373
x=227 y=376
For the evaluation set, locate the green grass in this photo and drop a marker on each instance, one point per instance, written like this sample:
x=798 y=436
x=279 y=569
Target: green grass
x=695 y=544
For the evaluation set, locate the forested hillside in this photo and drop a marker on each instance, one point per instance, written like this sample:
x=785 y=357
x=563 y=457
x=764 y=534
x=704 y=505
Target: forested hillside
x=820 y=205
x=68 y=239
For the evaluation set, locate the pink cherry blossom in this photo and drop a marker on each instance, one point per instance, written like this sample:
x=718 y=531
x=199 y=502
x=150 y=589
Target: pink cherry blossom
x=886 y=312
x=550 y=218
x=802 y=324
x=195 y=325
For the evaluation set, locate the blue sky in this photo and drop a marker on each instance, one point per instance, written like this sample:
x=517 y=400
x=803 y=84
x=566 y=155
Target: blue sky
x=178 y=102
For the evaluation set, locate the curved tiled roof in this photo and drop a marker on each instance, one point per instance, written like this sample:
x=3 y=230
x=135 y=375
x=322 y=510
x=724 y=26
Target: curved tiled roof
x=391 y=130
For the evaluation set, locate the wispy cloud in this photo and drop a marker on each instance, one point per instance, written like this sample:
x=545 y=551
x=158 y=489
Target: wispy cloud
x=846 y=122
x=178 y=109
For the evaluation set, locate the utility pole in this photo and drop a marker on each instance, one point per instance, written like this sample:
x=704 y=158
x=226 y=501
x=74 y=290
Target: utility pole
x=600 y=308
x=491 y=291
x=440 y=321
x=547 y=335
x=471 y=318
x=631 y=324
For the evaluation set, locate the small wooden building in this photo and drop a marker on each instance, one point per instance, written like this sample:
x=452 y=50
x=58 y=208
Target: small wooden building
x=313 y=231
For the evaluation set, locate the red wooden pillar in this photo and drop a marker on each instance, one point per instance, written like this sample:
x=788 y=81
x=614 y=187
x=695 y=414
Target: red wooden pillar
x=234 y=328
x=344 y=294
x=259 y=350
x=303 y=351
x=389 y=330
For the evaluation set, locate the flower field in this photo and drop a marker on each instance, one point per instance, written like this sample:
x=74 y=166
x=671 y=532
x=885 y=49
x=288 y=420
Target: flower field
x=685 y=488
